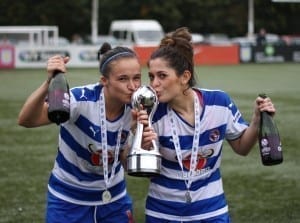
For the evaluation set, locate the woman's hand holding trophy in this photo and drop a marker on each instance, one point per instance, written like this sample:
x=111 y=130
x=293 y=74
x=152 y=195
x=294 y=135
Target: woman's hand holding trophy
x=144 y=158
x=141 y=116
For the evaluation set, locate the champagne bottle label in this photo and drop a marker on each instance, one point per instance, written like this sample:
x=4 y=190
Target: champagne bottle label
x=271 y=151
x=269 y=140
x=58 y=99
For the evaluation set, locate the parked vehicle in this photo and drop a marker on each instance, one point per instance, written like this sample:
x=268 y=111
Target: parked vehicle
x=137 y=32
x=197 y=38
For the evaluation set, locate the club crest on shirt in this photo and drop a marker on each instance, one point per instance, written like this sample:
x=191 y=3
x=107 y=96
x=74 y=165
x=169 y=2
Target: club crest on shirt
x=201 y=159
x=96 y=155
x=214 y=135
x=96 y=152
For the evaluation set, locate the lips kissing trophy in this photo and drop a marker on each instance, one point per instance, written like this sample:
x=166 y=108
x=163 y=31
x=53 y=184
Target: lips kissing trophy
x=142 y=162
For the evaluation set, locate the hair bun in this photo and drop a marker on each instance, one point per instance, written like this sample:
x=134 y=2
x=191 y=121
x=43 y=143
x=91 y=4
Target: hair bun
x=103 y=49
x=177 y=38
x=167 y=41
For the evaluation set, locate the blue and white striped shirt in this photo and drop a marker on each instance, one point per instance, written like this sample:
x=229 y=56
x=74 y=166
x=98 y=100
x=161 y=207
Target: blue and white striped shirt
x=220 y=119
x=77 y=175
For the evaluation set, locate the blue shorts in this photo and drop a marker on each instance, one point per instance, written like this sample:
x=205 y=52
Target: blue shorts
x=224 y=218
x=60 y=211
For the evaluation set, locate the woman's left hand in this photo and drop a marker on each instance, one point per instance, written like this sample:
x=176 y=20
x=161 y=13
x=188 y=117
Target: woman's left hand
x=264 y=104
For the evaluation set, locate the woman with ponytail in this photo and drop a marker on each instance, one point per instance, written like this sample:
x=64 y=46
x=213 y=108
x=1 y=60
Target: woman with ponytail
x=87 y=182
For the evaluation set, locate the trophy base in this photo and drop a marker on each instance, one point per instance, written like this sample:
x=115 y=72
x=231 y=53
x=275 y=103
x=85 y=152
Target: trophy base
x=144 y=164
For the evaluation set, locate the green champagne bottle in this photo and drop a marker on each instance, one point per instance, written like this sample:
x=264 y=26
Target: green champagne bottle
x=269 y=139
x=58 y=98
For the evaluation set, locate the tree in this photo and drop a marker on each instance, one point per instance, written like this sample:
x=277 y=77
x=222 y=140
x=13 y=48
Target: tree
x=226 y=16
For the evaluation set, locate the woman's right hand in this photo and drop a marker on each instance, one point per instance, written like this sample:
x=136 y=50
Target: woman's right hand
x=55 y=63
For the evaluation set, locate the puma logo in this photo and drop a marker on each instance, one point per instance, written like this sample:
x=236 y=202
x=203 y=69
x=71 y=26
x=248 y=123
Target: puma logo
x=93 y=130
x=83 y=94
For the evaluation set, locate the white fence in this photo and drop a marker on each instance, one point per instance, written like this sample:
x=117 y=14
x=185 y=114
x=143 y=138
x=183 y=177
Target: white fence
x=29 y=57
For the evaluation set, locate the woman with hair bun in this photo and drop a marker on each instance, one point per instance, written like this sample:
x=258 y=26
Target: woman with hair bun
x=191 y=124
x=87 y=182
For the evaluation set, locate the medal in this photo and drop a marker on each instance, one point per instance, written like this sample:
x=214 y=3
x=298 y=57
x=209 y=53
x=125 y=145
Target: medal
x=106 y=196
x=188 y=197
x=195 y=146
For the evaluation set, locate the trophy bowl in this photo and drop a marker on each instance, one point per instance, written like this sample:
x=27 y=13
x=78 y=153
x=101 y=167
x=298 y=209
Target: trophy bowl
x=142 y=162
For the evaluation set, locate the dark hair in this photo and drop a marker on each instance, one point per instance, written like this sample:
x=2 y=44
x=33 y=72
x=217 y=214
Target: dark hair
x=176 y=48
x=107 y=54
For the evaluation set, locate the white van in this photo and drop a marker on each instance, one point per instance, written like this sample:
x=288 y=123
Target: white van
x=137 y=32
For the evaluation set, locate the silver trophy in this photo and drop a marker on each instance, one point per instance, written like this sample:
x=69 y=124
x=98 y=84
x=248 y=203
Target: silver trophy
x=141 y=162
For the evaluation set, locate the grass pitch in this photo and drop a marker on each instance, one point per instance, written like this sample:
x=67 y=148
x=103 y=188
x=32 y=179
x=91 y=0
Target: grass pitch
x=255 y=193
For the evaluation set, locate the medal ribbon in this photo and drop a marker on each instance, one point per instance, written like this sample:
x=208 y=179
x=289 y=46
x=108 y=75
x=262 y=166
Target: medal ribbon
x=196 y=138
x=104 y=142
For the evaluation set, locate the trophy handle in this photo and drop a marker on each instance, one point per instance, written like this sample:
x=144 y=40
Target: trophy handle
x=137 y=142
